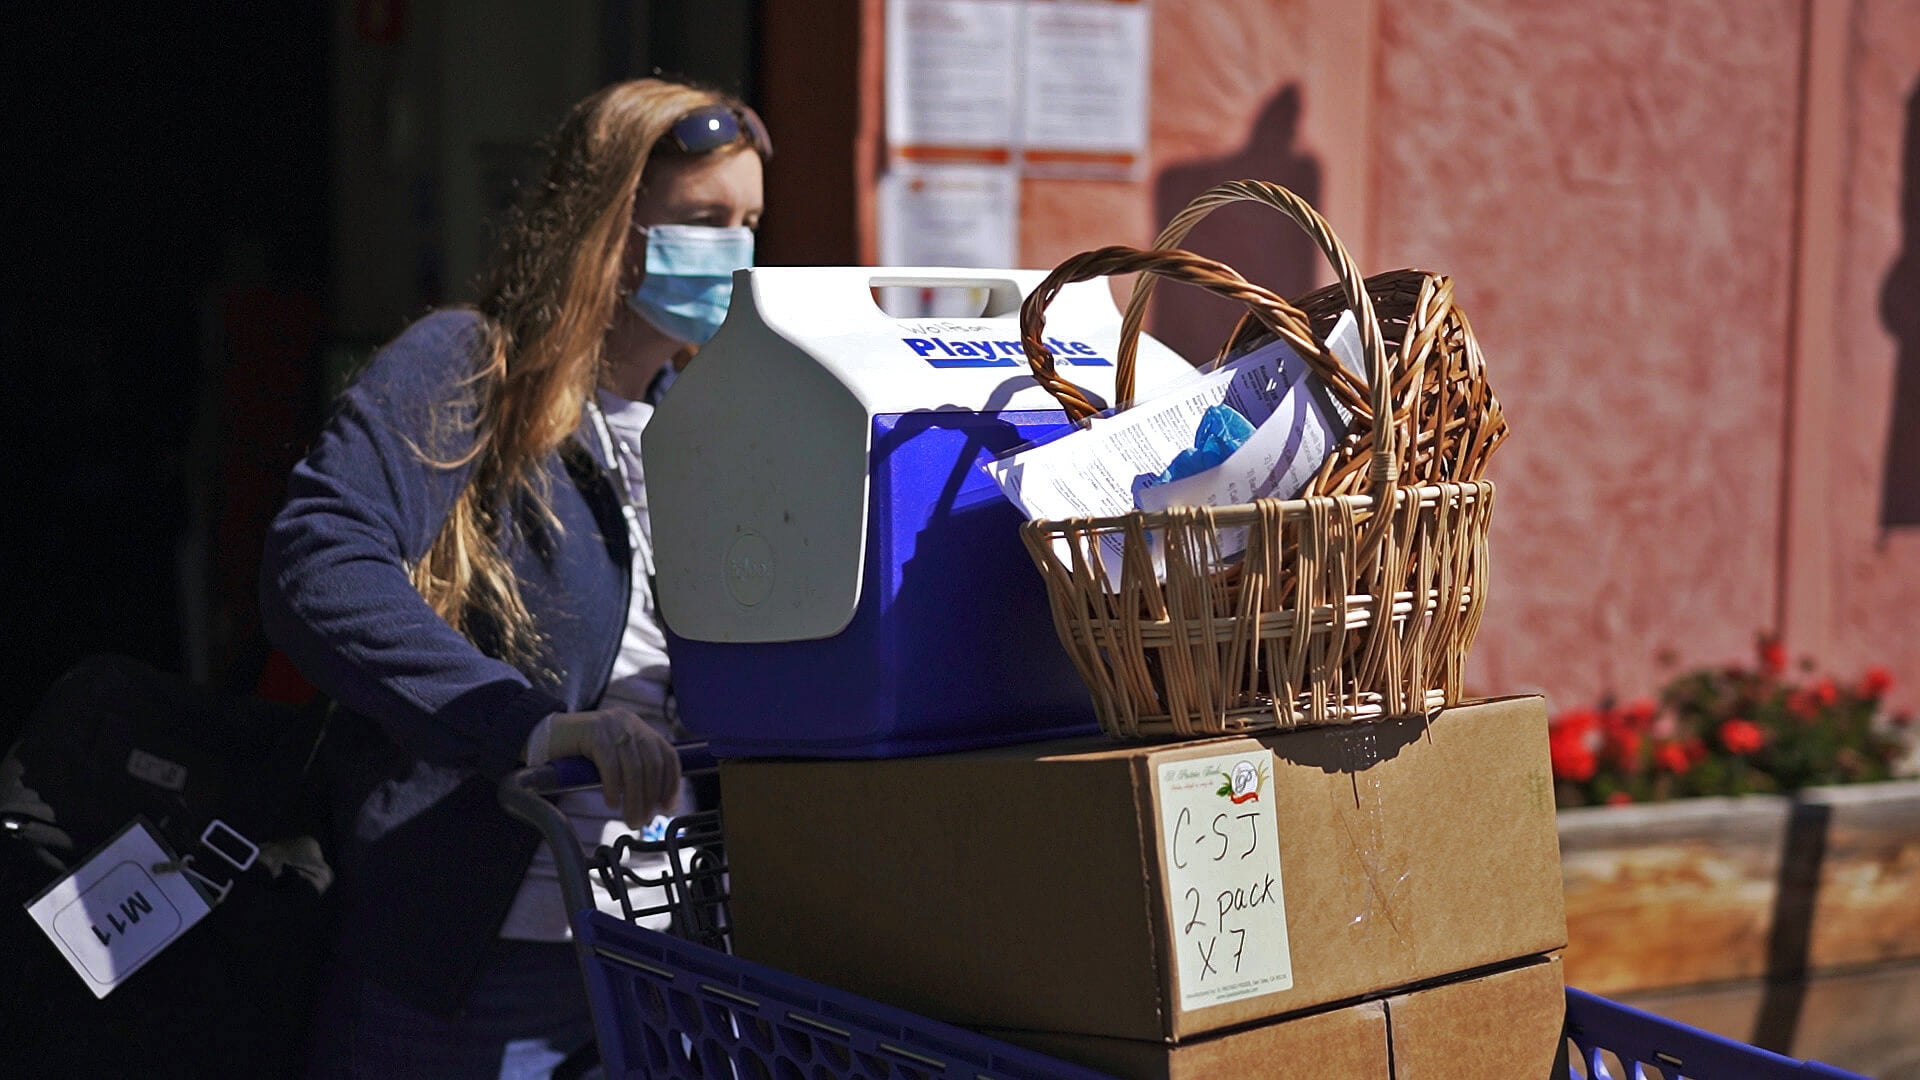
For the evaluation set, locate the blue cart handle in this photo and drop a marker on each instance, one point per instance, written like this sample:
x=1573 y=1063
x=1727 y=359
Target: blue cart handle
x=527 y=794
x=576 y=773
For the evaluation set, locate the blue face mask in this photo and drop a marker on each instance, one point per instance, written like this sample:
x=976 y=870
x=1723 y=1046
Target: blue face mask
x=689 y=279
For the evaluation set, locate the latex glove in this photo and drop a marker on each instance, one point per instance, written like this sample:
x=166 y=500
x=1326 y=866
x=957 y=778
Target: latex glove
x=639 y=768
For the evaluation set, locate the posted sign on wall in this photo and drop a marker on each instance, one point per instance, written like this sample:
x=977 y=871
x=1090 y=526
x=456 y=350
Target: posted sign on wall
x=997 y=90
x=1225 y=902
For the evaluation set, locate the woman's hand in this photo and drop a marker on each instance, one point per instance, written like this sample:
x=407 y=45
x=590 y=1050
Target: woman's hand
x=639 y=768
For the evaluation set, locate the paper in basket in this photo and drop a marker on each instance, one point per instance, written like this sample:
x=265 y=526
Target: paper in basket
x=1114 y=464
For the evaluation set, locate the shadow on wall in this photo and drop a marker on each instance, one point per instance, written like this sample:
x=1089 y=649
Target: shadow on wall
x=1900 y=310
x=1265 y=247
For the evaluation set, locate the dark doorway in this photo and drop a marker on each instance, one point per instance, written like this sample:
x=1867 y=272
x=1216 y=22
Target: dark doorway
x=159 y=157
x=1265 y=247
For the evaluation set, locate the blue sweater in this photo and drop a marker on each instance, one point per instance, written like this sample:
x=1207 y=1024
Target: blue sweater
x=428 y=862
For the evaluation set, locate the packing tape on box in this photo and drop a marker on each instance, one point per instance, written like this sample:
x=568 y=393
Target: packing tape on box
x=1383 y=863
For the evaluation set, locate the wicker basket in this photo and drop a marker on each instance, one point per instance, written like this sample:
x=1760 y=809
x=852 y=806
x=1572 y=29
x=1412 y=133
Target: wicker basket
x=1355 y=602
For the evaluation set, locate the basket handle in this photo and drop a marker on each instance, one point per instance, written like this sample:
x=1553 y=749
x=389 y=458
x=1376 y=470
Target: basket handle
x=1384 y=473
x=1273 y=312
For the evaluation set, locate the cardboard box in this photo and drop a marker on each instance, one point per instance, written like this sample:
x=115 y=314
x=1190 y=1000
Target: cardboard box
x=1508 y=1023
x=1348 y=1043
x=1154 y=892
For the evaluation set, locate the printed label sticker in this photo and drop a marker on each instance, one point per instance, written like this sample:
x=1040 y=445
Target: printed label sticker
x=1225 y=902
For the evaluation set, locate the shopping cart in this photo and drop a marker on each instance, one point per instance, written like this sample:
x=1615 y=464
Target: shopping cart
x=675 y=1003
x=1615 y=1040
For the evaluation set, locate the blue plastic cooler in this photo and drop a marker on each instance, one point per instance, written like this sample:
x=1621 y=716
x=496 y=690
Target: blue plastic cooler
x=838 y=575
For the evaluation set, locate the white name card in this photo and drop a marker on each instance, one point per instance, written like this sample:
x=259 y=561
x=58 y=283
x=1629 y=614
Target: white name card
x=119 y=909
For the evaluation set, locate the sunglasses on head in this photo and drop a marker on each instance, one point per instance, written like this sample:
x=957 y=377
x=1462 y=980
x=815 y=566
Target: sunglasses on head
x=711 y=127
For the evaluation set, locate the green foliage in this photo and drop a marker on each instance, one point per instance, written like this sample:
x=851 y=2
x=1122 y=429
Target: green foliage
x=1729 y=731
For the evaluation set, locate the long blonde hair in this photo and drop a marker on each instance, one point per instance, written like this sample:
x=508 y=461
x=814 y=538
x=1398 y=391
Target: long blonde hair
x=548 y=300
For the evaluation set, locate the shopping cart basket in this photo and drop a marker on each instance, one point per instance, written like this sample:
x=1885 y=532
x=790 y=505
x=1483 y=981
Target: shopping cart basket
x=1609 y=1036
x=676 y=1004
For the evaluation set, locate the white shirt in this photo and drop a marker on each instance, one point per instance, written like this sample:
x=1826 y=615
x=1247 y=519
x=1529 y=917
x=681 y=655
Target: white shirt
x=639 y=678
x=639 y=682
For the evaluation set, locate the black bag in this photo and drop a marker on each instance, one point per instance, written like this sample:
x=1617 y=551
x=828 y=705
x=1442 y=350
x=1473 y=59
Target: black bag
x=113 y=739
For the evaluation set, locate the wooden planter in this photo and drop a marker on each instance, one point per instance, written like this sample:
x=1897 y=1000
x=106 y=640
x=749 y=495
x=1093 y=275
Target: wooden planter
x=1791 y=923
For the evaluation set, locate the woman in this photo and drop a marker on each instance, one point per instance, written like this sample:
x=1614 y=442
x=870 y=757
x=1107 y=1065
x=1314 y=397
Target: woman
x=463 y=562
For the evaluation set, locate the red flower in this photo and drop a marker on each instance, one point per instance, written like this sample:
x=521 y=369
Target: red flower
x=1773 y=656
x=1696 y=749
x=1623 y=747
x=1573 y=759
x=1673 y=757
x=1826 y=692
x=1876 y=682
x=1580 y=720
x=1742 y=736
x=1571 y=740
x=1619 y=798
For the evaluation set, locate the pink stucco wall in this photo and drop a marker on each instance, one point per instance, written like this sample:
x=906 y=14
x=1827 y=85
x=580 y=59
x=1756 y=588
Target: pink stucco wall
x=1615 y=189
x=1627 y=262
x=1873 y=564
